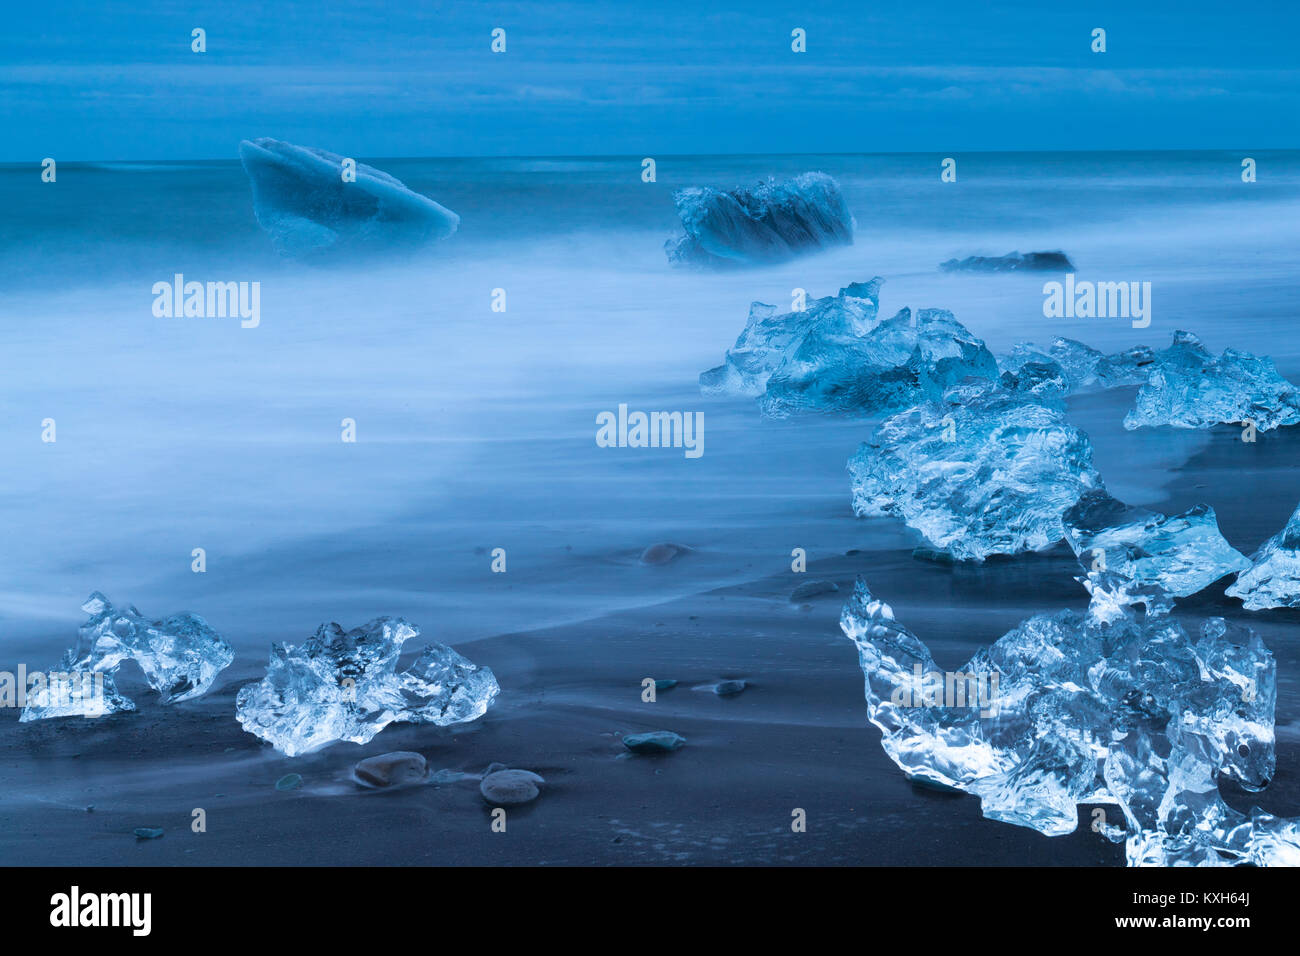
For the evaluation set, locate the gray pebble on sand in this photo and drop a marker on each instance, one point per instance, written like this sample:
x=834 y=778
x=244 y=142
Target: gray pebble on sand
x=507 y=788
x=812 y=589
x=729 y=688
x=663 y=553
x=654 y=742
x=391 y=769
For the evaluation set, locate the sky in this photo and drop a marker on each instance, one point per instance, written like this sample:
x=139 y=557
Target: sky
x=117 y=79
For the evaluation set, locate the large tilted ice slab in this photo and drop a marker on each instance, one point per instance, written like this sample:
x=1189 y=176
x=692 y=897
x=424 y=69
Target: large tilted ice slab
x=838 y=356
x=769 y=222
x=1273 y=579
x=985 y=473
x=180 y=656
x=344 y=685
x=1187 y=387
x=1112 y=706
x=301 y=199
x=1180 y=553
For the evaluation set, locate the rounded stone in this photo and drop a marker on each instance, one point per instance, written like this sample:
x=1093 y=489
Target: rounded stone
x=508 y=788
x=391 y=769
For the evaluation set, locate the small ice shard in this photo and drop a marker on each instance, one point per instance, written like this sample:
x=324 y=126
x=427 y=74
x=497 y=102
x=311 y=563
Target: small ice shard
x=1084 y=367
x=1273 y=579
x=988 y=474
x=1107 y=706
x=665 y=684
x=509 y=788
x=653 y=742
x=1187 y=387
x=300 y=197
x=290 y=781
x=148 y=833
x=391 y=769
x=1011 y=262
x=344 y=685
x=836 y=356
x=729 y=688
x=1181 y=554
x=180 y=656
x=767 y=223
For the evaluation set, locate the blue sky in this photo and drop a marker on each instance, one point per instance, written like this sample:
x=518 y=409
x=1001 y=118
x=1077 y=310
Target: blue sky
x=117 y=80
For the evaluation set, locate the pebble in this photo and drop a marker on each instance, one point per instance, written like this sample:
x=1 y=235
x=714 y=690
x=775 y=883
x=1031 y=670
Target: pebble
x=654 y=742
x=812 y=589
x=148 y=833
x=391 y=769
x=509 y=788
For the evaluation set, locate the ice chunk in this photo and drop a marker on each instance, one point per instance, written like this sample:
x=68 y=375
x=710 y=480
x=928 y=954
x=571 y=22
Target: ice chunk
x=1189 y=388
x=1108 y=706
x=1273 y=580
x=1011 y=262
x=985 y=473
x=768 y=336
x=344 y=685
x=836 y=355
x=301 y=199
x=1084 y=367
x=180 y=656
x=767 y=223
x=893 y=366
x=1181 y=554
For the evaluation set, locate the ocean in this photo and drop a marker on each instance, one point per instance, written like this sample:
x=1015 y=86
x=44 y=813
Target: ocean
x=476 y=428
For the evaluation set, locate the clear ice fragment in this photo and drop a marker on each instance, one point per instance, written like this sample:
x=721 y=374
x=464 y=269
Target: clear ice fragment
x=1108 y=706
x=1187 y=387
x=1180 y=553
x=180 y=657
x=344 y=685
x=1273 y=579
x=985 y=473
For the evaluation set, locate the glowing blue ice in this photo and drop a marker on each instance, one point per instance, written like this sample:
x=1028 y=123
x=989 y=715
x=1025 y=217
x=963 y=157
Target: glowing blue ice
x=1110 y=706
x=767 y=223
x=981 y=473
x=1273 y=579
x=1187 y=387
x=180 y=656
x=344 y=685
x=301 y=199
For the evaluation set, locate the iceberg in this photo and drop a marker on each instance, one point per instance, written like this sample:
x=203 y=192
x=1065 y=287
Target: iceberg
x=838 y=356
x=344 y=685
x=301 y=199
x=767 y=223
x=180 y=657
x=1187 y=387
x=1181 y=554
x=1011 y=262
x=984 y=472
x=1108 y=706
x=1273 y=579
x=1084 y=367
